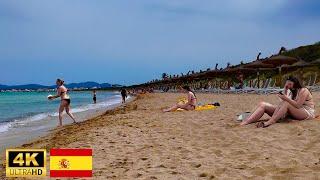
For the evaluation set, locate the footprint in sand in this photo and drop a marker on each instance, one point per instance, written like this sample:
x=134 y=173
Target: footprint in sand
x=218 y=153
x=174 y=172
x=161 y=166
x=137 y=175
x=203 y=175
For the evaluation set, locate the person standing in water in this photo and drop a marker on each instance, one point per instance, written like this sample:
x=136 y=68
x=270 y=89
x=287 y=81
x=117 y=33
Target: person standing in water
x=124 y=95
x=65 y=100
x=94 y=96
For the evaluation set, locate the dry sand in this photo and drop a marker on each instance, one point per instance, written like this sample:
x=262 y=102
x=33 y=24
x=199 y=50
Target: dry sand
x=140 y=142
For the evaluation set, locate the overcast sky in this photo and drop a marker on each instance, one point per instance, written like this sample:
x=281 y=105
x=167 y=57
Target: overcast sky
x=134 y=41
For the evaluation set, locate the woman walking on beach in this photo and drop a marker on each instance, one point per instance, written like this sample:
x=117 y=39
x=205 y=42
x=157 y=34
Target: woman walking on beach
x=123 y=95
x=190 y=105
x=65 y=100
x=300 y=107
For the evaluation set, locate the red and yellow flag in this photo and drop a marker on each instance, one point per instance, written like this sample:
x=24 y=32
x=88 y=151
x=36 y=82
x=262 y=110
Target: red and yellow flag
x=71 y=163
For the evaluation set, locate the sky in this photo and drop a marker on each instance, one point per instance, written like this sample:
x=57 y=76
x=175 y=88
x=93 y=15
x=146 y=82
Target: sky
x=133 y=41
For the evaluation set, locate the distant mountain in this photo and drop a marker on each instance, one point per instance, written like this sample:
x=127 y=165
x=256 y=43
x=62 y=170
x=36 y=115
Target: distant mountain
x=88 y=84
x=3 y=86
x=27 y=86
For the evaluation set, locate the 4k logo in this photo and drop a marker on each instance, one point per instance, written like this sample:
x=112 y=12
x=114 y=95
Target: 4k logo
x=25 y=162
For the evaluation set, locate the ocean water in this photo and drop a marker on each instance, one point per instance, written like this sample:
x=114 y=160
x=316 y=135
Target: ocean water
x=20 y=109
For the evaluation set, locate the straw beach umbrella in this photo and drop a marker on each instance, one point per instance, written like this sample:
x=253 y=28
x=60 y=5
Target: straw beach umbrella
x=257 y=64
x=280 y=60
x=316 y=62
x=297 y=65
x=300 y=63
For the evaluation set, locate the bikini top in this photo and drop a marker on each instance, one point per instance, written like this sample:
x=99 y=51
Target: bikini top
x=193 y=97
x=63 y=91
x=308 y=102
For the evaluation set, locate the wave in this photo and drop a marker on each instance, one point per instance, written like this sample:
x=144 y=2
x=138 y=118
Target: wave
x=5 y=127
x=18 y=122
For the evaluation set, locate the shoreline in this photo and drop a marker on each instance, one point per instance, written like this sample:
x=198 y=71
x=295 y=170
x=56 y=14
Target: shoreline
x=137 y=140
x=83 y=116
x=45 y=141
x=21 y=130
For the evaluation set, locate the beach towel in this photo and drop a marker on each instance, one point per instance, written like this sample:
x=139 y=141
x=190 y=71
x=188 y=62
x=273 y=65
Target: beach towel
x=183 y=100
x=201 y=108
x=205 y=107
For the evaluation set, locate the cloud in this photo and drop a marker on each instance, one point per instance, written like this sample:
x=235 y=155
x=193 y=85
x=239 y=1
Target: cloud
x=233 y=8
x=143 y=37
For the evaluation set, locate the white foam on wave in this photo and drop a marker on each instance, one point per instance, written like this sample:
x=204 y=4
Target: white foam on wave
x=38 y=117
x=109 y=102
x=5 y=127
x=33 y=118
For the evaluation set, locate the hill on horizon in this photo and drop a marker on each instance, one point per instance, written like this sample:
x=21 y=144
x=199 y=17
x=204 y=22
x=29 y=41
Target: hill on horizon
x=88 y=84
x=307 y=53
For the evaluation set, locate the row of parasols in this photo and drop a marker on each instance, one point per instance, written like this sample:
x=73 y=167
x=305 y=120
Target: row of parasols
x=276 y=64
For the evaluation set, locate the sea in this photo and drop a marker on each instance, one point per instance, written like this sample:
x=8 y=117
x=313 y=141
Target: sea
x=25 y=115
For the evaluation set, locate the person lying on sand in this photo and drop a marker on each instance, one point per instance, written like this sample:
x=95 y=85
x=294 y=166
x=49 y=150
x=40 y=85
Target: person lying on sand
x=190 y=105
x=300 y=107
x=65 y=100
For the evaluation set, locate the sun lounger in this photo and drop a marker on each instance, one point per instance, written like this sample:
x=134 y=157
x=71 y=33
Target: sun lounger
x=312 y=83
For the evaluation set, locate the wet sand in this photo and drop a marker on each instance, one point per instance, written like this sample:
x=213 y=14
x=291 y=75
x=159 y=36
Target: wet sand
x=29 y=130
x=139 y=141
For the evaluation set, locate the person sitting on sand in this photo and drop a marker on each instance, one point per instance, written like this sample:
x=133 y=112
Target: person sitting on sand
x=190 y=105
x=300 y=107
x=65 y=100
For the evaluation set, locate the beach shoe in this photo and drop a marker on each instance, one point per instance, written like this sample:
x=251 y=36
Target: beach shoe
x=261 y=125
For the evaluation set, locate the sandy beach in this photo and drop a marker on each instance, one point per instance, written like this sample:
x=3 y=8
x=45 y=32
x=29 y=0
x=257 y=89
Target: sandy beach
x=138 y=141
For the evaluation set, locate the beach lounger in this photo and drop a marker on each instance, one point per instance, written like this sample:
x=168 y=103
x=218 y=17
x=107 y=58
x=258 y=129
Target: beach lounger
x=269 y=87
x=312 y=83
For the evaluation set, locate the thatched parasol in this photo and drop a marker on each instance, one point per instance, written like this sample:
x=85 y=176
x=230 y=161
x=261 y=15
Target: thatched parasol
x=257 y=64
x=297 y=65
x=280 y=60
x=242 y=70
x=316 y=62
x=300 y=63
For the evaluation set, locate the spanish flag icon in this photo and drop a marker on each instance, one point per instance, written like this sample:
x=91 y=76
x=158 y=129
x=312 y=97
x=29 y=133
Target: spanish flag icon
x=71 y=163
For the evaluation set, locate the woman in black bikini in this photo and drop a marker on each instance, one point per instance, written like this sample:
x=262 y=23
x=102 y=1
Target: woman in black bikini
x=190 y=105
x=65 y=100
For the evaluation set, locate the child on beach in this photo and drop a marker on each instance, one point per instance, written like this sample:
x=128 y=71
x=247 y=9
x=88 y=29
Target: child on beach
x=190 y=105
x=301 y=106
x=65 y=100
